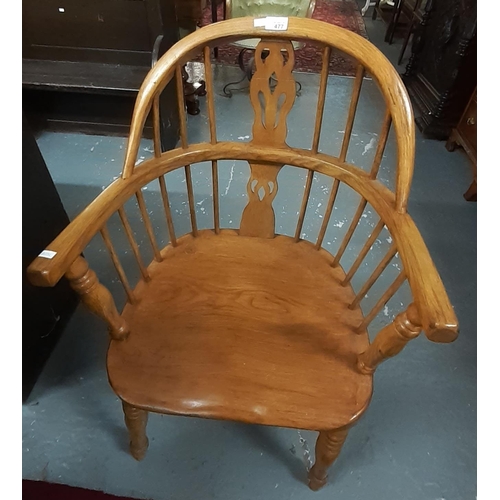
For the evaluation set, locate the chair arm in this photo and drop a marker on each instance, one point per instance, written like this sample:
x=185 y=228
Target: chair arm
x=436 y=313
x=71 y=242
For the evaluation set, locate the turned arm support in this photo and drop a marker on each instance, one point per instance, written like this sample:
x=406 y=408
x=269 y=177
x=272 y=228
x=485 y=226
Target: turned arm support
x=435 y=311
x=96 y=297
x=391 y=340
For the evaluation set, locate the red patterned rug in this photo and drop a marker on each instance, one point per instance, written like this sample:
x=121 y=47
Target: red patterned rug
x=41 y=490
x=344 y=13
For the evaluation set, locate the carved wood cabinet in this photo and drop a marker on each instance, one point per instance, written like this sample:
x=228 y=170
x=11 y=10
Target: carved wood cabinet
x=441 y=73
x=465 y=135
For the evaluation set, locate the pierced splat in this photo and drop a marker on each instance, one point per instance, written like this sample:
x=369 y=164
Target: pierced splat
x=272 y=94
x=272 y=91
x=258 y=216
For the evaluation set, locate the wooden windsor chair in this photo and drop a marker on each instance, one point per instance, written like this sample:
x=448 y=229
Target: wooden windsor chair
x=245 y=324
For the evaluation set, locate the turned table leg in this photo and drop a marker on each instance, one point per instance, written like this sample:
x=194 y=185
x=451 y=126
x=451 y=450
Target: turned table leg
x=136 y=420
x=328 y=447
x=451 y=143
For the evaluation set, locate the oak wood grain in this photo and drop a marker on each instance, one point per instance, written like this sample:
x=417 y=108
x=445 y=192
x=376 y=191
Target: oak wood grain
x=328 y=446
x=303 y=207
x=116 y=262
x=274 y=60
x=168 y=212
x=141 y=202
x=391 y=340
x=438 y=317
x=384 y=298
x=133 y=243
x=328 y=212
x=356 y=90
x=323 y=81
x=96 y=297
x=375 y=275
x=245 y=324
x=374 y=62
x=136 y=421
x=362 y=253
x=156 y=127
x=250 y=342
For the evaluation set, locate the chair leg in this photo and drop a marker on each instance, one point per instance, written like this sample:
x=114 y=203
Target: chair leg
x=451 y=143
x=136 y=420
x=328 y=447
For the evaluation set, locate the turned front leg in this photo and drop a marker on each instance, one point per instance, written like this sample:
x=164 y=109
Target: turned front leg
x=390 y=340
x=136 y=421
x=96 y=297
x=328 y=447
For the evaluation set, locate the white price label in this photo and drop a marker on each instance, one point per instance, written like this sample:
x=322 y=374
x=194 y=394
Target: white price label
x=47 y=254
x=272 y=23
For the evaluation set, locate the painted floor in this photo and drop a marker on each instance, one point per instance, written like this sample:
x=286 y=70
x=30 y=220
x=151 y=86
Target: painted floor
x=416 y=441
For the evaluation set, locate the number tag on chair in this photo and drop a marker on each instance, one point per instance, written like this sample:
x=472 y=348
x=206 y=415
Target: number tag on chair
x=47 y=254
x=272 y=23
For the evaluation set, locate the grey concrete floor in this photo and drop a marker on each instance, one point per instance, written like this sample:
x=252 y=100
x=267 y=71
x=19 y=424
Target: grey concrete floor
x=416 y=441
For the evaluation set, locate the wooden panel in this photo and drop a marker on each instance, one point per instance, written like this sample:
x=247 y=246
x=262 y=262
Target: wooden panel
x=92 y=24
x=84 y=55
x=246 y=335
x=82 y=76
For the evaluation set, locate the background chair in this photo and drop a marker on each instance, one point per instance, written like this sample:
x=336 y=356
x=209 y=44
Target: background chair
x=256 y=8
x=246 y=324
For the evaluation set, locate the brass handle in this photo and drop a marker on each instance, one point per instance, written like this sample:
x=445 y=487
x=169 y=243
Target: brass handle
x=471 y=120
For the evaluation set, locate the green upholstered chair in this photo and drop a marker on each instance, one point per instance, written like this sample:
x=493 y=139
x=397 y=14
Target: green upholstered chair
x=263 y=8
x=258 y=9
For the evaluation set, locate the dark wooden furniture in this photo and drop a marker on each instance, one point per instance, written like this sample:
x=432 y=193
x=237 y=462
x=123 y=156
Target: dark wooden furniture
x=394 y=17
x=246 y=324
x=213 y=5
x=45 y=310
x=414 y=10
x=84 y=61
x=465 y=135
x=441 y=73
x=189 y=13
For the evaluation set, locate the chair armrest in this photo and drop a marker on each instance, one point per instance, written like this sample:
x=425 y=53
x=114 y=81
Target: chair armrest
x=47 y=271
x=438 y=318
x=74 y=238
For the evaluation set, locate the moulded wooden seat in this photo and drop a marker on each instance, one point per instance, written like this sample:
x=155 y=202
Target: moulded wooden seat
x=247 y=324
x=252 y=330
